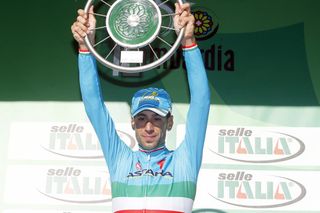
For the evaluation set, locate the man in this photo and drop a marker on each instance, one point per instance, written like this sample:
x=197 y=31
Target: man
x=152 y=179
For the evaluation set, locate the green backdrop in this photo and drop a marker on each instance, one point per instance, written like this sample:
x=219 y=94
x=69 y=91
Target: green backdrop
x=262 y=63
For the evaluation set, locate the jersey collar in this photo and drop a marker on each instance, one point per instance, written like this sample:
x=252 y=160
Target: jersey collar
x=152 y=150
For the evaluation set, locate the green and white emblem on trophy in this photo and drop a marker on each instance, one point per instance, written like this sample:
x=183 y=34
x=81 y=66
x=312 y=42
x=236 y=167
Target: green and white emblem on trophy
x=131 y=29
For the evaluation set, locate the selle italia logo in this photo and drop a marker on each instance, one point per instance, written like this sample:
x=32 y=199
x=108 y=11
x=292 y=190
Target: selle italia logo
x=78 y=141
x=252 y=145
x=246 y=189
x=76 y=185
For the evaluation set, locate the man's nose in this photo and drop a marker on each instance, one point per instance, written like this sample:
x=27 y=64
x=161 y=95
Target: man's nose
x=149 y=126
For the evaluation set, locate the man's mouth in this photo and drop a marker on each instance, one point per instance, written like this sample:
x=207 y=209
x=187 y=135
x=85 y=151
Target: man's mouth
x=149 y=137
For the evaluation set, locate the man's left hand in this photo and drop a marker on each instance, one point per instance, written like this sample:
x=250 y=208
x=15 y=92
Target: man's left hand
x=184 y=18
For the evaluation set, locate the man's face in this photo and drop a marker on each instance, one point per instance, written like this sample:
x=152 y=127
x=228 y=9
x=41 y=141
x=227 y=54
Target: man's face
x=151 y=128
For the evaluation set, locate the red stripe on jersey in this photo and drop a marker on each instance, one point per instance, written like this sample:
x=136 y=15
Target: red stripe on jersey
x=147 y=211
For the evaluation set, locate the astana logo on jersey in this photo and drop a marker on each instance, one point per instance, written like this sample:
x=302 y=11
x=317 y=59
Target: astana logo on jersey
x=140 y=172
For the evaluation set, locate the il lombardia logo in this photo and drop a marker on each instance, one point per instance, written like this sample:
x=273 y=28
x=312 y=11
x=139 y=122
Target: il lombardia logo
x=252 y=145
x=246 y=189
x=78 y=141
x=75 y=185
x=206 y=23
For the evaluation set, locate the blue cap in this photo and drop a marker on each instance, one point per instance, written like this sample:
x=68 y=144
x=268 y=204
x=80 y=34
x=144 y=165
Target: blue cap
x=153 y=99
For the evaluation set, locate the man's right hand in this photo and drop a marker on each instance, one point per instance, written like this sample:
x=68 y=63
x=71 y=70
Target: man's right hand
x=84 y=25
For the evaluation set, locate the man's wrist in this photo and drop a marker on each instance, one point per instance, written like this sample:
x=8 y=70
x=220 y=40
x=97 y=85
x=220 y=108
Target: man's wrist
x=83 y=47
x=188 y=41
x=189 y=44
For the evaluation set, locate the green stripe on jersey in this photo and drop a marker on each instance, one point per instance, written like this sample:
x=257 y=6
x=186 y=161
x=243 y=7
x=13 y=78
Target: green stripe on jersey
x=182 y=189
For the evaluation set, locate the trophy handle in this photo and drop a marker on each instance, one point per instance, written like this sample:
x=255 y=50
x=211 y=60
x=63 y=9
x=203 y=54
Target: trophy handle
x=134 y=26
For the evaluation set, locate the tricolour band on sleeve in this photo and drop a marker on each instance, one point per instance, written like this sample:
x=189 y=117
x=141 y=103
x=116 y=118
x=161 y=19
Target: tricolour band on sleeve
x=189 y=47
x=82 y=51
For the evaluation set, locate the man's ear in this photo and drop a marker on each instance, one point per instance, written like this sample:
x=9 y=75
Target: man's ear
x=170 y=123
x=132 y=124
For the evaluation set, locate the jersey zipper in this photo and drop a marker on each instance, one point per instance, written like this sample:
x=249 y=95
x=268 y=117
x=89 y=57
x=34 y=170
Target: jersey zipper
x=148 y=182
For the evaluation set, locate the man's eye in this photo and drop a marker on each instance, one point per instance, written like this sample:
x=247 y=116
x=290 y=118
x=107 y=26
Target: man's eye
x=140 y=118
x=157 y=118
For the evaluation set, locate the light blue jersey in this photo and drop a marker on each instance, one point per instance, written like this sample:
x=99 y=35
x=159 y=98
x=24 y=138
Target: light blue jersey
x=158 y=180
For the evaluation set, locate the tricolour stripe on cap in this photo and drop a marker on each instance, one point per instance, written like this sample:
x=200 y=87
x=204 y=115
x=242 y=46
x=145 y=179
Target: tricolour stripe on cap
x=152 y=204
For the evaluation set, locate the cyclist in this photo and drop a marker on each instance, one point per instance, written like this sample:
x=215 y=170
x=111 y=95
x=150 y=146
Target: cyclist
x=152 y=179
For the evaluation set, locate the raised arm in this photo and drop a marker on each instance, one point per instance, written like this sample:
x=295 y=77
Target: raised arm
x=96 y=110
x=197 y=117
x=198 y=113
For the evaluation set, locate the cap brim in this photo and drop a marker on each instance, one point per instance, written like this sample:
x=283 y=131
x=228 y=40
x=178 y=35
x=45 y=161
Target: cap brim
x=160 y=112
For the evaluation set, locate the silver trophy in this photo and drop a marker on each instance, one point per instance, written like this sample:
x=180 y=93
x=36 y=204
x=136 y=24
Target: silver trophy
x=130 y=33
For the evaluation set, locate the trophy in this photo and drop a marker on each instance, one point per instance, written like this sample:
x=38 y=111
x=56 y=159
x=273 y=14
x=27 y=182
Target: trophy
x=134 y=35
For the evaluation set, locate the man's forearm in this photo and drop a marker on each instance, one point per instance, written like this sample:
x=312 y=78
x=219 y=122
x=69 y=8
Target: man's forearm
x=92 y=97
x=197 y=77
x=197 y=117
